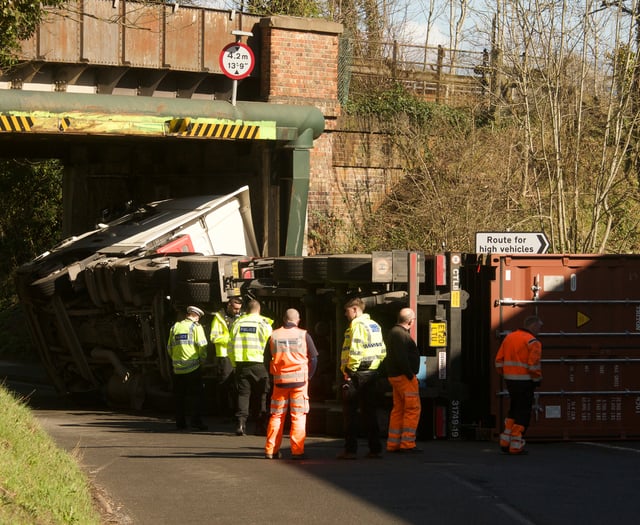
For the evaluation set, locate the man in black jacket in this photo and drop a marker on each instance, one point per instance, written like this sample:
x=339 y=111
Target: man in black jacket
x=403 y=363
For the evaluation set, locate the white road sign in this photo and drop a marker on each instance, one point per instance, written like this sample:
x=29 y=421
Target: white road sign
x=237 y=60
x=511 y=242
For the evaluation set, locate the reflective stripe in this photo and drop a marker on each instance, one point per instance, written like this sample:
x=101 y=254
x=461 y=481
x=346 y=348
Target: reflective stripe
x=220 y=334
x=187 y=346
x=249 y=336
x=289 y=361
x=518 y=357
x=363 y=347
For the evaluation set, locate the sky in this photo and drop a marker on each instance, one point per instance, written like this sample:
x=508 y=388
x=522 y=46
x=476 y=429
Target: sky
x=410 y=16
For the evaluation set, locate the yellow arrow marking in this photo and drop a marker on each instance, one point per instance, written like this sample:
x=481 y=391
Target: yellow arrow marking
x=583 y=319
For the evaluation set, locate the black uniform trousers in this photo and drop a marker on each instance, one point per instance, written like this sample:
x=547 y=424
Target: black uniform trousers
x=361 y=396
x=252 y=379
x=188 y=391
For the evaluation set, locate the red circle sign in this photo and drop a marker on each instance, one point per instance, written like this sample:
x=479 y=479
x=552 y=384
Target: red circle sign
x=237 y=60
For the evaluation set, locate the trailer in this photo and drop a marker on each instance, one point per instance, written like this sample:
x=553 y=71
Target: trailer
x=100 y=305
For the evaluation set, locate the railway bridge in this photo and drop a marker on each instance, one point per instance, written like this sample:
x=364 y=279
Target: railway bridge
x=133 y=99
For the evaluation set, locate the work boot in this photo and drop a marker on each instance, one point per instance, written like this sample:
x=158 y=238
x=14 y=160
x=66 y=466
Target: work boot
x=517 y=441
x=241 y=429
x=505 y=437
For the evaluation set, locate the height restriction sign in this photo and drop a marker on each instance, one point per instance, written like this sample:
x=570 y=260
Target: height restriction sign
x=237 y=60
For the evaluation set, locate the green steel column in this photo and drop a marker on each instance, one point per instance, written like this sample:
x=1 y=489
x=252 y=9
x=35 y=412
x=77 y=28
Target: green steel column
x=299 y=193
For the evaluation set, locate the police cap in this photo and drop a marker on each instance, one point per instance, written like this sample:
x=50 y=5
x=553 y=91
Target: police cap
x=195 y=310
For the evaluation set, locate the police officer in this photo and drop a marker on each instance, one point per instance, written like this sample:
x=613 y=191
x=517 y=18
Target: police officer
x=249 y=336
x=220 y=337
x=363 y=350
x=187 y=348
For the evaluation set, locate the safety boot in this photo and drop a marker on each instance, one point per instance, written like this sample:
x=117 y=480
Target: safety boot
x=517 y=441
x=241 y=429
x=505 y=437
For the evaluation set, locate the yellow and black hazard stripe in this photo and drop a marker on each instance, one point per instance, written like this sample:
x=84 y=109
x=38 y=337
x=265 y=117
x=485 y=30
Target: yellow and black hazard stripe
x=14 y=123
x=225 y=131
x=64 y=123
x=186 y=128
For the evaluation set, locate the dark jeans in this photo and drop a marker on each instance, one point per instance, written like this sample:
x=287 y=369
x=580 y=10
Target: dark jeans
x=521 y=401
x=188 y=391
x=253 y=385
x=364 y=398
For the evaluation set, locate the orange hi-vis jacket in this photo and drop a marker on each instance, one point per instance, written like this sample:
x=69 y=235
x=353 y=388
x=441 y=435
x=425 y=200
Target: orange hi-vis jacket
x=519 y=355
x=289 y=360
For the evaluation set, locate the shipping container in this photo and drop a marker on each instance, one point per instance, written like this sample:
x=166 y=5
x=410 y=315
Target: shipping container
x=590 y=306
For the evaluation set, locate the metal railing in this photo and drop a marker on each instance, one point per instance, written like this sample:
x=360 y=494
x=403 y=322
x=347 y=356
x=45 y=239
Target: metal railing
x=436 y=74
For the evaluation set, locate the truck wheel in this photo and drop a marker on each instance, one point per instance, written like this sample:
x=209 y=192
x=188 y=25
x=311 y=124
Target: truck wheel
x=56 y=283
x=197 y=268
x=151 y=274
x=187 y=292
x=287 y=269
x=314 y=269
x=91 y=282
x=350 y=268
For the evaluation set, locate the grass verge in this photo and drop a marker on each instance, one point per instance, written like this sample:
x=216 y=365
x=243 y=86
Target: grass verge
x=39 y=483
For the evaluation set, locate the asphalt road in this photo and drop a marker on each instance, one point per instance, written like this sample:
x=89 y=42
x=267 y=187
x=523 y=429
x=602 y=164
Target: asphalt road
x=155 y=475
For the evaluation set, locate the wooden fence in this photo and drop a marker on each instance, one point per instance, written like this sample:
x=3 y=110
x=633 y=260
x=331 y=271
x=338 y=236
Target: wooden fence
x=435 y=74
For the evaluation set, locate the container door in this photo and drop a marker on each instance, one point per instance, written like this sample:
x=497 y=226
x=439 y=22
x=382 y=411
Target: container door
x=590 y=306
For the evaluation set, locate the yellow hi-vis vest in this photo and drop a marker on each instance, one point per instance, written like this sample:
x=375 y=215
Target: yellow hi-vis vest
x=249 y=336
x=187 y=346
x=289 y=361
x=219 y=334
x=363 y=347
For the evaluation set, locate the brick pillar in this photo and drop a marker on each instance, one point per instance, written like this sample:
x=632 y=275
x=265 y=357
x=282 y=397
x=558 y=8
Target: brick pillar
x=300 y=66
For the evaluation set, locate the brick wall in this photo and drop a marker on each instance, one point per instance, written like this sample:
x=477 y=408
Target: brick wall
x=300 y=66
x=352 y=169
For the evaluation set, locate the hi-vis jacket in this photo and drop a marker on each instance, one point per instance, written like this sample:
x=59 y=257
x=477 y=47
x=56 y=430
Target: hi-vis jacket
x=249 y=336
x=289 y=358
x=219 y=334
x=519 y=355
x=187 y=346
x=363 y=347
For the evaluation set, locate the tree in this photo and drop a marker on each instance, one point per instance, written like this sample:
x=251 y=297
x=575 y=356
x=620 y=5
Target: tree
x=304 y=8
x=18 y=21
x=30 y=216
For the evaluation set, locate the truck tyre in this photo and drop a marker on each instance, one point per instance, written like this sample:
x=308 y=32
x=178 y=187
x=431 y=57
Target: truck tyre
x=188 y=292
x=151 y=274
x=314 y=269
x=287 y=269
x=197 y=268
x=91 y=282
x=56 y=283
x=102 y=272
x=350 y=268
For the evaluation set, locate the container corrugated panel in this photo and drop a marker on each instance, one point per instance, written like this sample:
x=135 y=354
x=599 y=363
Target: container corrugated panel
x=590 y=305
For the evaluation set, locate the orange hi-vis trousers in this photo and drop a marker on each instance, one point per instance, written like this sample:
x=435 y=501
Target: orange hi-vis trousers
x=405 y=414
x=296 y=401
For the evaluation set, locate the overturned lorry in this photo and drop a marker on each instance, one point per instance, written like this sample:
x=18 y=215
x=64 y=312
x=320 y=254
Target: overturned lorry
x=99 y=307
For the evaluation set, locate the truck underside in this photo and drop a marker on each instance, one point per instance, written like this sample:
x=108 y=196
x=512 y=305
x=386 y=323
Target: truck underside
x=100 y=314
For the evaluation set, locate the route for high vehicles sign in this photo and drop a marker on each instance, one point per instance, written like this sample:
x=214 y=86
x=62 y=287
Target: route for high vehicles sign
x=237 y=60
x=511 y=242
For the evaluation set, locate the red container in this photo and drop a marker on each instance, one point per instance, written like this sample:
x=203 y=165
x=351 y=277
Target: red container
x=590 y=306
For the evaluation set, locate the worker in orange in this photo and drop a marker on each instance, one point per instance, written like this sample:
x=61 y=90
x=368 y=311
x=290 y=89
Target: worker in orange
x=518 y=361
x=403 y=364
x=293 y=362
